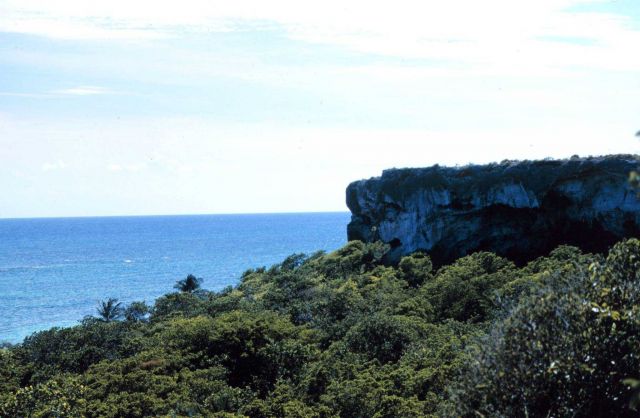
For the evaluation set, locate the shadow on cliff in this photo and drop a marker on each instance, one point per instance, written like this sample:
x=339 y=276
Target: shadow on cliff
x=517 y=209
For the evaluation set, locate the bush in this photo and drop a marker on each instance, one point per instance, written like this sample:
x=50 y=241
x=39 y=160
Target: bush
x=467 y=290
x=384 y=338
x=565 y=351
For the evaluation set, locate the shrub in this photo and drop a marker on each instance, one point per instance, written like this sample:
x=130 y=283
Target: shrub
x=565 y=351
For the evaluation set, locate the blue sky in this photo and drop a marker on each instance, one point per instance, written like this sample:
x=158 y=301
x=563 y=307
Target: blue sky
x=145 y=107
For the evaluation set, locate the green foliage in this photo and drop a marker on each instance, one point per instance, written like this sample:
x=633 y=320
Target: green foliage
x=178 y=304
x=567 y=350
x=466 y=290
x=416 y=269
x=56 y=398
x=189 y=284
x=74 y=349
x=255 y=349
x=10 y=373
x=355 y=257
x=110 y=310
x=384 y=338
x=137 y=312
x=345 y=334
x=157 y=383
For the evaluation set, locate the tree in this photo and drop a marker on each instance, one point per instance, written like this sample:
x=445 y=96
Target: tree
x=383 y=337
x=110 y=310
x=59 y=397
x=137 y=312
x=189 y=284
x=566 y=351
x=416 y=268
x=466 y=289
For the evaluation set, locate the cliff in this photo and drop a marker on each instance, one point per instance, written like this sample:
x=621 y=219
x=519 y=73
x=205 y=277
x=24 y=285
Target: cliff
x=520 y=210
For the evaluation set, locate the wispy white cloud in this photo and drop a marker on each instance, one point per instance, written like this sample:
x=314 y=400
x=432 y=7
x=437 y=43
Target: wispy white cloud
x=25 y=95
x=82 y=91
x=114 y=167
x=71 y=91
x=136 y=167
x=498 y=36
x=55 y=165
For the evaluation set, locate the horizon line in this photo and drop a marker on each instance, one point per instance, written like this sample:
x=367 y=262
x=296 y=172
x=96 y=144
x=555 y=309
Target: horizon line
x=171 y=215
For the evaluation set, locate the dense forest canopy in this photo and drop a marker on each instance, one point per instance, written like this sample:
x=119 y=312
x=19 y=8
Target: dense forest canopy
x=344 y=335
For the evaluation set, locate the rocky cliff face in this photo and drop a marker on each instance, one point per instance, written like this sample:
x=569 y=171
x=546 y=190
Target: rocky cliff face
x=520 y=210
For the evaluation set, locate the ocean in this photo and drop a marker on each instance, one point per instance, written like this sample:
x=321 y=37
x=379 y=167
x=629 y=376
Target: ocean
x=54 y=271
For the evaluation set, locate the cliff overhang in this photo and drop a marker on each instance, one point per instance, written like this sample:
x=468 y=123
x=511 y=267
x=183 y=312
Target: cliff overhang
x=517 y=209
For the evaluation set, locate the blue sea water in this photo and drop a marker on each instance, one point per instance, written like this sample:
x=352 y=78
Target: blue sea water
x=54 y=271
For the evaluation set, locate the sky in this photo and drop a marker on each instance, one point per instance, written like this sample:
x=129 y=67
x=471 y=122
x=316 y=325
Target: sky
x=142 y=107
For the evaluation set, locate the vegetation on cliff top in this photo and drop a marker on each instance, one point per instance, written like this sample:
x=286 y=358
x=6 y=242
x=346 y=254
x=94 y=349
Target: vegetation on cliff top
x=343 y=335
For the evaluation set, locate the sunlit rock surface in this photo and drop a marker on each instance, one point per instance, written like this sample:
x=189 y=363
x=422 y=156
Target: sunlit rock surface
x=519 y=209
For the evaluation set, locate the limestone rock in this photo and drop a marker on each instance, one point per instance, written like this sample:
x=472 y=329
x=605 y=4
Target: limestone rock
x=518 y=209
